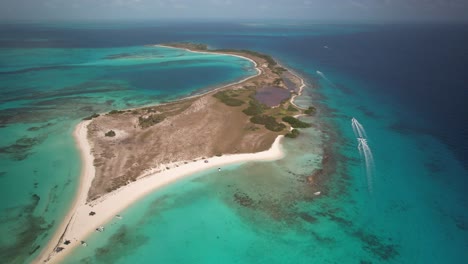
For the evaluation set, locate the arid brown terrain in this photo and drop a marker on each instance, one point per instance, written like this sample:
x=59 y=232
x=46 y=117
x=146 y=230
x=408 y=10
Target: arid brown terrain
x=126 y=144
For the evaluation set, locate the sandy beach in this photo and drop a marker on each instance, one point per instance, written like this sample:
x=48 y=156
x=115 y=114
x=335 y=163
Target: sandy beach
x=256 y=66
x=79 y=224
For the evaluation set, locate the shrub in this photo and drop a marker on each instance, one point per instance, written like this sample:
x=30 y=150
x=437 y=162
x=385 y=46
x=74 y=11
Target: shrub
x=150 y=120
x=255 y=108
x=276 y=127
x=91 y=116
x=228 y=100
x=310 y=111
x=294 y=122
x=110 y=133
x=113 y=112
x=293 y=134
x=292 y=108
x=277 y=81
x=262 y=119
x=279 y=70
x=268 y=121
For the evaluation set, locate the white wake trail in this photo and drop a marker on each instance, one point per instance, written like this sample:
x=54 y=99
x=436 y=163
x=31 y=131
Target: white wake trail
x=325 y=77
x=365 y=152
x=358 y=129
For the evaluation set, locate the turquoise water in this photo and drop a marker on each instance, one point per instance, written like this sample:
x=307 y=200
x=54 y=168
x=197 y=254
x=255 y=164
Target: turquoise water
x=201 y=218
x=404 y=83
x=416 y=206
x=46 y=91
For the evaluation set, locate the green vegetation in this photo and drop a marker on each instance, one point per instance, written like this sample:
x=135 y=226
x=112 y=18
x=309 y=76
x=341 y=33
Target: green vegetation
x=293 y=134
x=268 y=121
x=292 y=108
x=200 y=46
x=279 y=70
x=294 y=122
x=276 y=127
x=310 y=111
x=255 y=108
x=91 y=116
x=277 y=81
x=227 y=98
x=110 y=133
x=280 y=111
x=113 y=112
x=150 y=120
x=189 y=45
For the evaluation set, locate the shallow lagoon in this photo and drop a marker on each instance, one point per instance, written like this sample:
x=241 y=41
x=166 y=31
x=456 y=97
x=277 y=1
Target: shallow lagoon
x=45 y=92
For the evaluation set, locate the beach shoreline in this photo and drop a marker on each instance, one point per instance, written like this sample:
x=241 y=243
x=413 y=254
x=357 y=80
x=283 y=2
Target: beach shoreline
x=216 y=88
x=257 y=68
x=79 y=224
x=85 y=180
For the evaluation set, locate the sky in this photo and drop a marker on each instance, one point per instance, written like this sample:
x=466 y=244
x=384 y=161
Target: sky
x=326 y=10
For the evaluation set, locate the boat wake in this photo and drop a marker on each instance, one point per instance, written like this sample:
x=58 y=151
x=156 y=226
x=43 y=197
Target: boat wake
x=358 y=129
x=321 y=74
x=364 y=151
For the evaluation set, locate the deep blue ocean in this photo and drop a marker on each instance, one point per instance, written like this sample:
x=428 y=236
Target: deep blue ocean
x=405 y=84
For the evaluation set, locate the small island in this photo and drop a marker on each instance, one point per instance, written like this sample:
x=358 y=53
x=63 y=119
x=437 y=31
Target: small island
x=129 y=153
x=244 y=117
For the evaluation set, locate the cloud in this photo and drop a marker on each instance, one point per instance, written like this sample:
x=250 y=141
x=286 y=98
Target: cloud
x=221 y=2
x=125 y=2
x=256 y=9
x=358 y=4
x=180 y=6
x=177 y=4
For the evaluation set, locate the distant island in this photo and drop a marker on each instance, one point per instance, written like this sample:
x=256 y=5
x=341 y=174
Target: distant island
x=128 y=153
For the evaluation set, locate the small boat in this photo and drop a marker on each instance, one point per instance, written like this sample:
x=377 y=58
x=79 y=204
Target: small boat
x=118 y=217
x=316 y=193
x=100 y=229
